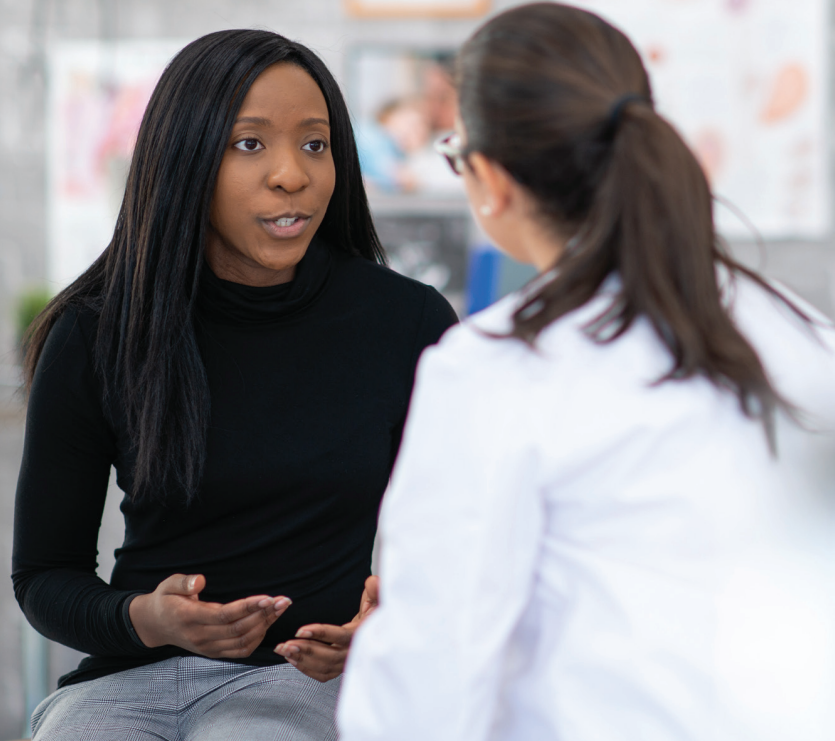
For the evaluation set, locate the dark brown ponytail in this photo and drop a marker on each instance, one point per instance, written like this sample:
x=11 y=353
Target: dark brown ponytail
x=561 y=100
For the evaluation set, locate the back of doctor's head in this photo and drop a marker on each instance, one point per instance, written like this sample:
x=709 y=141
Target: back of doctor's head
x=561 y=99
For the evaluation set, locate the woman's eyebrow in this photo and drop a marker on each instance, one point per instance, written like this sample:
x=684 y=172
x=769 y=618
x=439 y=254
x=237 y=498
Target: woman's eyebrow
x=259 y=121
x=311 y=121
x=254 y=120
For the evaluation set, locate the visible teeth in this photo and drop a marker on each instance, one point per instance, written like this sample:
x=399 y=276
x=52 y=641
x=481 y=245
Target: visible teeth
x=286 y=222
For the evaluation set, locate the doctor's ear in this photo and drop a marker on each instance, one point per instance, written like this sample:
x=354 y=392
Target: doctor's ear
x=496 y=183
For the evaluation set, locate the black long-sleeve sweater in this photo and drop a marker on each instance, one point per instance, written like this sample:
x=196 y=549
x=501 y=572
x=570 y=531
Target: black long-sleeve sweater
x=309 y=384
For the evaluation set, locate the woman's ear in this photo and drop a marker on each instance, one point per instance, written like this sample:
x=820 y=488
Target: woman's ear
x=495 y=182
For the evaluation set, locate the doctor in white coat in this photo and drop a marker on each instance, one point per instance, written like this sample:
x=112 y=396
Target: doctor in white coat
x=612 y=515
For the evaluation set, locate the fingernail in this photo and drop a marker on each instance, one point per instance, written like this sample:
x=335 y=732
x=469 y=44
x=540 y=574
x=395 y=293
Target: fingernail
x=279 y=648
x=266 y=602
x=192 y=580
x=283 y=602
x=301 y=633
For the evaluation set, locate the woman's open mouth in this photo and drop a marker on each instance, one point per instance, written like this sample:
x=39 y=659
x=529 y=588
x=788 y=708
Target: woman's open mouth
x=286 y=227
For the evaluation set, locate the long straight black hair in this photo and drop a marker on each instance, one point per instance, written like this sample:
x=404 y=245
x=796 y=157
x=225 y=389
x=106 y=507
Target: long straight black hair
x=144 y=285
x=561 y=99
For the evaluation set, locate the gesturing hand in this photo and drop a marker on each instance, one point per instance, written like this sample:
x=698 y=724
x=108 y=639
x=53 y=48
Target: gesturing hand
x=320 y=650
x=174 y=615
x=370 y=598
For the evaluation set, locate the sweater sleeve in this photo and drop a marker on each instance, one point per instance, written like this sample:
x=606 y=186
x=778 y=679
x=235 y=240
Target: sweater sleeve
x=68 y=451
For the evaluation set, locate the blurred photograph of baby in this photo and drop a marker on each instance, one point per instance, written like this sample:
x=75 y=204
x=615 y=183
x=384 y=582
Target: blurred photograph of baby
x=395 y=146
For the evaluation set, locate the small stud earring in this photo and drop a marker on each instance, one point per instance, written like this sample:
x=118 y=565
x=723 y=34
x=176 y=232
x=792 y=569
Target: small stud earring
x=486 y=210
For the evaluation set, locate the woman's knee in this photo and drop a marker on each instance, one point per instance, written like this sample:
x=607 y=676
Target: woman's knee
x=101 y=710
x=287 y=706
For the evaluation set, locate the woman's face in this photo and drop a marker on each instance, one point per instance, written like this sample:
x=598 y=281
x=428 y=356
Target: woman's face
x=275 y=181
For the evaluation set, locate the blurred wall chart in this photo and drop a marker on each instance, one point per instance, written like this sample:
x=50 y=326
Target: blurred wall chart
x=745 y=81
x=97 y=95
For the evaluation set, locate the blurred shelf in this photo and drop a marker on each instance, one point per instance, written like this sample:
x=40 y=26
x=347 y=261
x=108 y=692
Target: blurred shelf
x=417 y=205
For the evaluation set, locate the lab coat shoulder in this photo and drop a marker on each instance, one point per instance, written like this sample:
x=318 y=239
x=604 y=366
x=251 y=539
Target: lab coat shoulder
x=470 y=405
x=487 y=394
x=481 y=355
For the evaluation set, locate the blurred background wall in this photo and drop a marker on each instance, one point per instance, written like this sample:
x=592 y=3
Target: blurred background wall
x=387 y=65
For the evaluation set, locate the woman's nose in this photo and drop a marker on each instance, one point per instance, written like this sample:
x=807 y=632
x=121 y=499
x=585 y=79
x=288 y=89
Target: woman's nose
x=288 y=173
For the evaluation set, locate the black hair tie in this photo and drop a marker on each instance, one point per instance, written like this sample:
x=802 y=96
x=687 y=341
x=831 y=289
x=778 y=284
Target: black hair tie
x=616 y=111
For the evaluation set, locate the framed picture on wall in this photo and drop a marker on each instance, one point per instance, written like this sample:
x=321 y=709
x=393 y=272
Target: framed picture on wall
x=402 y=100
x=418 y=8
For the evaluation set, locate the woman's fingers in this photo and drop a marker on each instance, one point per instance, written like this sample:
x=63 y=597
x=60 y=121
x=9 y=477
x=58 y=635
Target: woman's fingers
x=318 y=650
x=334 y=634
x=233 y=618
x=370 y=597
x=187 y=585
x=261 y=619
x=219 y=628
x=321 y=661
x=232 y=648
x=251 y=607
x=230 y=642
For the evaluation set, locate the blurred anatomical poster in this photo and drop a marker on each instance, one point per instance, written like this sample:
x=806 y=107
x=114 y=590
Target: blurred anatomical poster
x=745 y=82
x=97 y=95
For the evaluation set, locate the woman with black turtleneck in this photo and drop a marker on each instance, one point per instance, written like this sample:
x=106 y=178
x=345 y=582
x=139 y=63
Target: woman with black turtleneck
x=245 y=362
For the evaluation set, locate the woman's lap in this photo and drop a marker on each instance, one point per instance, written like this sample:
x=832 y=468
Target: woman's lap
x=192 y=698
x=281 y=705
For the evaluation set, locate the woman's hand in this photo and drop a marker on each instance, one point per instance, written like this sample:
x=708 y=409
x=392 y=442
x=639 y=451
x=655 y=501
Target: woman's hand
x=320 y=650
x=370 y=598
x=174 y=615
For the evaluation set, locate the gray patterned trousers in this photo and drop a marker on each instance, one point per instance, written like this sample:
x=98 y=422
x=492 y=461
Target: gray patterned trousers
x=185 y=699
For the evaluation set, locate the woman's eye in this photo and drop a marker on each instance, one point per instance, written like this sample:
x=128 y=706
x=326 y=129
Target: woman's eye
x=248 y=145
x=317 y=146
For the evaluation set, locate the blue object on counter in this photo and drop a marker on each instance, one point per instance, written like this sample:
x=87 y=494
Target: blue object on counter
x=492 y=275
x=482 y=277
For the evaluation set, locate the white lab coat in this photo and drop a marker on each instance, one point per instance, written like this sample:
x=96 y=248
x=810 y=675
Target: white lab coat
x=571 y=552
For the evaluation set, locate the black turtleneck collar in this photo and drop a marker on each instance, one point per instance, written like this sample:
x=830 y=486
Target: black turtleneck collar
x=234 y=303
